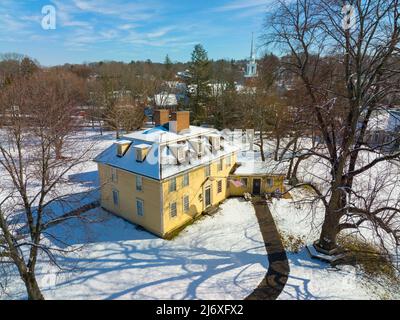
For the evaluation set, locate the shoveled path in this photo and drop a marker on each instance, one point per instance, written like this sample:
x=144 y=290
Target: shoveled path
x=275 y=280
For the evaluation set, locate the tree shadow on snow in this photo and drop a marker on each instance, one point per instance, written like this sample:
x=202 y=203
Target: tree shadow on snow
x=86 y=179
x=298 y=288
x=194 y=269
x=150 y=266
x=95 y=226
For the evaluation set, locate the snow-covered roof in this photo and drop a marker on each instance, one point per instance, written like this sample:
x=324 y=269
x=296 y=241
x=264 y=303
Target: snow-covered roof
x=385 y=120
x=123 y=142
x=176 y=85
x=269 y=167
x=170 y=168
x=128 y=162
x=142 y=146
x=161 y=134
x=160 y=163
x=165 y=100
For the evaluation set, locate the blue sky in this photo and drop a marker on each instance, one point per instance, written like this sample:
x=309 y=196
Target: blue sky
x=125 y=30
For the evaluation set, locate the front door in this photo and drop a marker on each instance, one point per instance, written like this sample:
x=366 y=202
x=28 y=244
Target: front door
x=207 y=197
x=256 y=186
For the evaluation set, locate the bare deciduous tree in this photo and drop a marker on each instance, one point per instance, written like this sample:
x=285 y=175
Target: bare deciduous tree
x=32 y=171
x=347 y=74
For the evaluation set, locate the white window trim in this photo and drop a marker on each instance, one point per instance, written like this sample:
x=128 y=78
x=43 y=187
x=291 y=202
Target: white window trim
x=137 y=211
x=207 y=169
x=170 y=210
x=220 y=182
x=220 y=165
x=114 y=175
x=114 y=191
x=139 y=178
x=188 y=180
x=170 y=184
x=228 y=161
x=186 y=196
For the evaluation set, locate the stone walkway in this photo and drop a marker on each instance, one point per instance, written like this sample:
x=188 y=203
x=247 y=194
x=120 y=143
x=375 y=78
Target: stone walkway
x=275 y=280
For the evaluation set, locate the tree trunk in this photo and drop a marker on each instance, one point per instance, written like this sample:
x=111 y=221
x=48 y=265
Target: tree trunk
x=32 y=287
x=293 y=177
x=58 y=146
x=333 y=213
x=278 y=145
x=262 y=146
x=330 y=230
x=289 y=172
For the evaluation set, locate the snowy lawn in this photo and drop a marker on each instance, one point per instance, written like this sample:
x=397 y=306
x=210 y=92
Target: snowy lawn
x=312 y=279
x=219 y=257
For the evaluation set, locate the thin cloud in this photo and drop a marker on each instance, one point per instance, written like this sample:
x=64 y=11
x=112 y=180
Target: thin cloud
x=125 y=10
x=160 y=32
x=241 y=4
x=128 y=26
x=66 y=15
x=150 y=28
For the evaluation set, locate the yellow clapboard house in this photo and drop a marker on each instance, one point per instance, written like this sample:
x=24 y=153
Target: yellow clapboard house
x=164 y=177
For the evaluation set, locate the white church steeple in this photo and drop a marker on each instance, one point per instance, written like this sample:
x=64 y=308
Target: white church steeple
x=251 y=68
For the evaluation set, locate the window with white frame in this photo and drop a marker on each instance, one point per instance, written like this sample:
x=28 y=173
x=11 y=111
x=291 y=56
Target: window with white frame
x=114 y=175
x=172 y=185
x=229 y=161
x=220 y=164
x=270 y=182
x=207 y=171
x=139 y=183
x=115 y=195
x=140 y=207
x=186 y=204
x=219 y=186
x=185 y=181
x=173 y=212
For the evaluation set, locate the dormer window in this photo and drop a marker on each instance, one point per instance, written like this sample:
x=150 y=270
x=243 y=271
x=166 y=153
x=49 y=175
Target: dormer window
x=122 y=147
x=215 y=141
x=141 y=152
x=139 y=156
x=179 y=152
x=199 y=146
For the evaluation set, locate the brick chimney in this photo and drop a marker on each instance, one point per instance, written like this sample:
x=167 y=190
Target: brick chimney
x=161 y=117
x=179 y=121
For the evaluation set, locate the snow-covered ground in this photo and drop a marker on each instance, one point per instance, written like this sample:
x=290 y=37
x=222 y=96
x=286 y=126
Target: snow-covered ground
x=312 y=279
x=218 y=257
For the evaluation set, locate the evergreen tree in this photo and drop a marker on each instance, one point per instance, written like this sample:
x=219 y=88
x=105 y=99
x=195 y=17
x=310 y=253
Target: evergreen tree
x=200 y=71
x=168 y=62
x=168 y=71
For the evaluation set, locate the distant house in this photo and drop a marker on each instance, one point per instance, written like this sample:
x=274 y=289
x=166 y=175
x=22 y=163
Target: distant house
x=176 y=86
x=166 y=100
x=164 y=177
x=184 y=75
x=383 y=130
